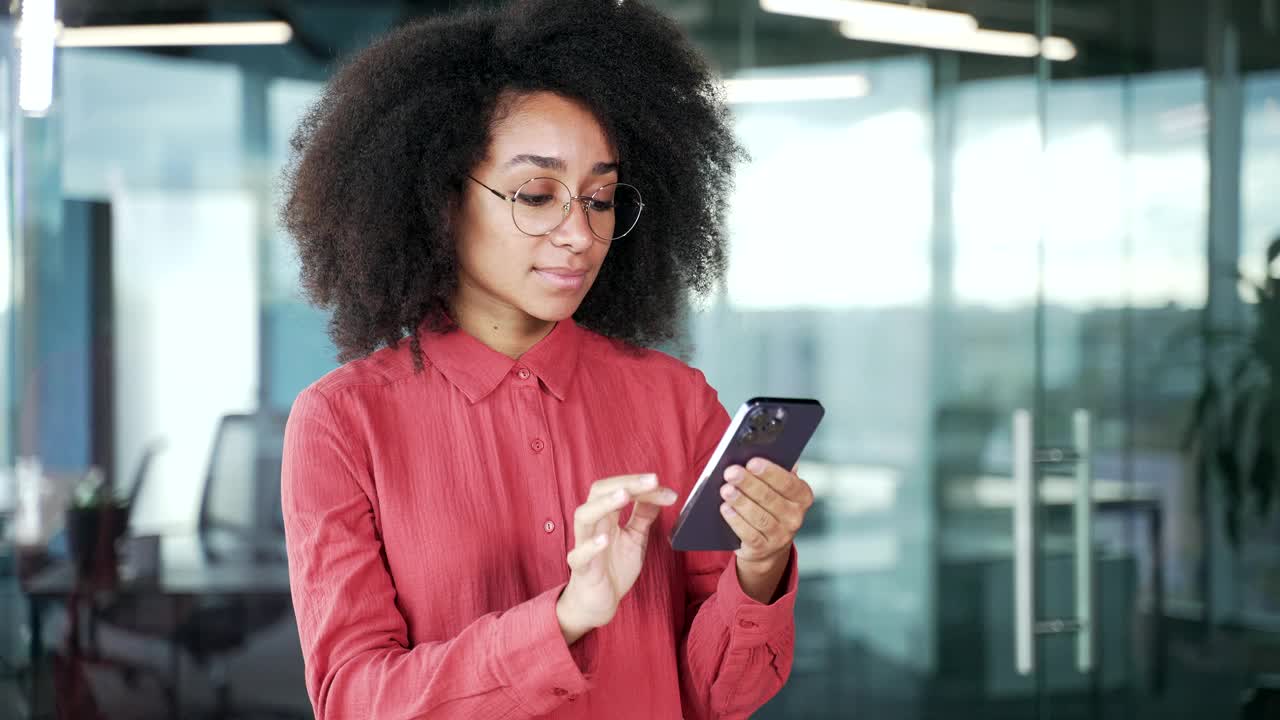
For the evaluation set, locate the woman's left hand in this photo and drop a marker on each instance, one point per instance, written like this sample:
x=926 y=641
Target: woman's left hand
x=765 y=505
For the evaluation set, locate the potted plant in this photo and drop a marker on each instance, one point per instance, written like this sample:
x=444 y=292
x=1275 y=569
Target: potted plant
x=96 y=519
x=1234 y=434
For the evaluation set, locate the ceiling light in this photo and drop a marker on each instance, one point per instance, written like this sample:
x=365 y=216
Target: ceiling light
x=988 y=42
x=177 y=35
x=871 y=13
x=35 y=56
x=796 y=89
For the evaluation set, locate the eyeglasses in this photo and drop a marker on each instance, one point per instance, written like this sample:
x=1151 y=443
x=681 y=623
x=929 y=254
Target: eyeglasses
x=542 y=204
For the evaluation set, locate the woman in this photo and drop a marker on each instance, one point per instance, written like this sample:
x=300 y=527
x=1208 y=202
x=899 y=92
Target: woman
x=526 y=196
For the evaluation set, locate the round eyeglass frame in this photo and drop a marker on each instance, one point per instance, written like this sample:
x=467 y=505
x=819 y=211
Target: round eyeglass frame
x=568 y=205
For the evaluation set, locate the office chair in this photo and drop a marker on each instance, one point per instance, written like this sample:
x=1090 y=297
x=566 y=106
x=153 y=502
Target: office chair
x=240 y=510
x=240 y=519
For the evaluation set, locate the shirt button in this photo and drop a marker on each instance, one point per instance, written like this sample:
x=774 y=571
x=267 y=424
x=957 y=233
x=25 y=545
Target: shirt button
x=560 y=692
x=549 y=526
x=523 y=373
x=746 y=624
x=538 y=445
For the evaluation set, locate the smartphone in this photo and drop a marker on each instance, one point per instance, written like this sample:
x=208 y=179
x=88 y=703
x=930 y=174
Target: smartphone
x=776 y=429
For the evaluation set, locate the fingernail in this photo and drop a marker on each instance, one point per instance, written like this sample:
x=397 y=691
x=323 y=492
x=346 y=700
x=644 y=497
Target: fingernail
x=728 y=492
x=649 y=481
x=756 y=465
x=733 y=474
x=668 y=494
x=602 y=539
x=727 y=511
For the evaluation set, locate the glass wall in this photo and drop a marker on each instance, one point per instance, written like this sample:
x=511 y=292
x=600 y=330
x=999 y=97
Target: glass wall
x=147 y=254
x=10 y=598
x=1255 y=571
x=812 y=280
x=959 y=244
x=297 y=349
x=184 y=255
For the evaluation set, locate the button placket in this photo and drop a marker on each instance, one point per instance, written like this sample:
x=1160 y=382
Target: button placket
x=553 y=524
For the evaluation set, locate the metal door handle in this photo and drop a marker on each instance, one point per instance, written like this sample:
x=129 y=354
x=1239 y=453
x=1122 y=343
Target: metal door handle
x=1024 y=549
x=1025 y=557
x=1083 y=517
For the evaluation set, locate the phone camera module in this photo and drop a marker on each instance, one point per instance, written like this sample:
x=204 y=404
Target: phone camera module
x=765 y=425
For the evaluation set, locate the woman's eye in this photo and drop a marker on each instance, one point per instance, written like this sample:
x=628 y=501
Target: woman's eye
x=535 y=200
x=601 y=205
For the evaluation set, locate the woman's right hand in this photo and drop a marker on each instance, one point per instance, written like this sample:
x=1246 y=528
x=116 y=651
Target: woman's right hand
x=607 y=557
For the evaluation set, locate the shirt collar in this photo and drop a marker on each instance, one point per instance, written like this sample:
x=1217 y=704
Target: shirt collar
x=476 y=369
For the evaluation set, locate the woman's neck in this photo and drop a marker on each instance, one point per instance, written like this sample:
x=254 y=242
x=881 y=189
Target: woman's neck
x=503 y=328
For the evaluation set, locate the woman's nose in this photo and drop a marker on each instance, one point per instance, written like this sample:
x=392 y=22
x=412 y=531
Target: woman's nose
x=575 y=232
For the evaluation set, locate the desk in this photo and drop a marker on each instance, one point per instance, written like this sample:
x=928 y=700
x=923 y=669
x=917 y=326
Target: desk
x=184 y=572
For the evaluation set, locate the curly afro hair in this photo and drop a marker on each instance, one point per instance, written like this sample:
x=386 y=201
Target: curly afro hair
x=380 y=160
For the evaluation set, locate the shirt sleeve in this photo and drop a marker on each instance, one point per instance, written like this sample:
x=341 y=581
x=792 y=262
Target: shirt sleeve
x=736 y=653
x=359 y=662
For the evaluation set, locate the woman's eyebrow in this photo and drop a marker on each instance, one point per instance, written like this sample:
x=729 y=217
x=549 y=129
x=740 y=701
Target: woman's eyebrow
x=546 y=163
x=555 y=163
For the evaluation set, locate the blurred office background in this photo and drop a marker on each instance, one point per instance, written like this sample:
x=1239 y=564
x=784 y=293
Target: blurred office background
x=1020 y=250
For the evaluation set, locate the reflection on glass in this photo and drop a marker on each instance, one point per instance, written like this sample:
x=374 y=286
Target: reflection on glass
x=827 y=296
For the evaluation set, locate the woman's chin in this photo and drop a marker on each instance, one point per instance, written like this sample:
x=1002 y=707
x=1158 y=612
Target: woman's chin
x=553 y=309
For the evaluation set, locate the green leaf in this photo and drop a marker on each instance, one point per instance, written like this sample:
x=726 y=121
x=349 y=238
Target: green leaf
x=1202 y=414
x=1229 y=467
x=1241 y=426
x=1244 y=364
x=1232 y=486
x=1262 y=476
x=1224 y=459
x=1266 y=340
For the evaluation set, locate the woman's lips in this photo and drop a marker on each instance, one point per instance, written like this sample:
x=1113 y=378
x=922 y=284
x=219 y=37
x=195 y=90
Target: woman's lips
x=562 y=279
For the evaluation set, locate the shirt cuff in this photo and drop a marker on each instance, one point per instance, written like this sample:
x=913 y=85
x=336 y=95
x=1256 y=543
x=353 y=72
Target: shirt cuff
x=539 y=668
x=752 y=623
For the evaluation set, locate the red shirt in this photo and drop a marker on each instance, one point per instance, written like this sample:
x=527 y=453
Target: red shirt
x=428 y=516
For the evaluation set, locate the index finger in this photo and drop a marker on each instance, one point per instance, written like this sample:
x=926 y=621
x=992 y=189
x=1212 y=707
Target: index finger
x=633 y=484
x=785 y=483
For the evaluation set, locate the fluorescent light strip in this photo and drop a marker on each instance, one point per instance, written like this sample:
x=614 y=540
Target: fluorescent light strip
x=35 y=58
x=987 y=42
x=796 y=89
x=178 y=35
x=1058 y=49
x=869 y=12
